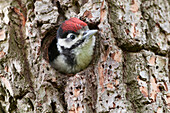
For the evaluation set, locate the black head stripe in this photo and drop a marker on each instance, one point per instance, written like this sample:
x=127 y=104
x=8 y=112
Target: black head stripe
x=70 y=57
x=73 y=46
x=77 y=43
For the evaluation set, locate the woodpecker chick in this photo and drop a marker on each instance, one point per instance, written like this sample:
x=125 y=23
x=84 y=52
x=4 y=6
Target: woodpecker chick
x=74 y=47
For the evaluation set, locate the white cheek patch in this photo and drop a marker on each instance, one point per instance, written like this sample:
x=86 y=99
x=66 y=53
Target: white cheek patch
x=68 y=44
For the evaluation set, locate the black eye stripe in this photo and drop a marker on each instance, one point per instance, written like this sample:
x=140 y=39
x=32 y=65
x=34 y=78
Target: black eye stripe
x=73 y=46
x=77 y=43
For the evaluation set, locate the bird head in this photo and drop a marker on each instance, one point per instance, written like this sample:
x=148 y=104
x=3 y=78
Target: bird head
x=73 y=33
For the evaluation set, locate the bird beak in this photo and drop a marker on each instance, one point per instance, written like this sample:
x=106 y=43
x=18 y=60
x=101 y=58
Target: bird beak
x=89 y=33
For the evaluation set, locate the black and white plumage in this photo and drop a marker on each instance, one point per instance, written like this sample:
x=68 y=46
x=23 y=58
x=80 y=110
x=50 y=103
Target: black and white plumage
x=74 y=46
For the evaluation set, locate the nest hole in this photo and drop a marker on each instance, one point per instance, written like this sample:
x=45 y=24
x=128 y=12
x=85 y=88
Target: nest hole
x=49 y=41
x=49 y=48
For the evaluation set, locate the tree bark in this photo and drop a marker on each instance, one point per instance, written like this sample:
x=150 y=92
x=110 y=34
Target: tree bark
x=129 y=72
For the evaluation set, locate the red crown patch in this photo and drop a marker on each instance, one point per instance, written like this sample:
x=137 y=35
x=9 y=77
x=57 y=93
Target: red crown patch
x=73 y=24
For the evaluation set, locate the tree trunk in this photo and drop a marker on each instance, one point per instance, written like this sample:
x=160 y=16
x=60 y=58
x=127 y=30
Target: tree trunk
x=129 y=73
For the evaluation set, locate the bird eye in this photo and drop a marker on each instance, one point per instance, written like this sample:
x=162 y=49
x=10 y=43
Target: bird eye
x=72 y=37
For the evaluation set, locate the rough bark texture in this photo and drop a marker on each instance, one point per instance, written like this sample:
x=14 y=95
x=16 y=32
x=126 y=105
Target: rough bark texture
x=129 y=73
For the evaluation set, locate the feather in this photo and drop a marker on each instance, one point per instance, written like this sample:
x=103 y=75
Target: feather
x=73 y=24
